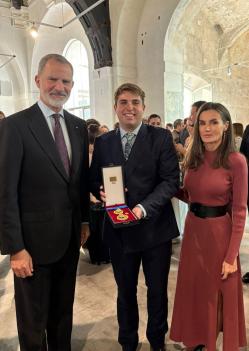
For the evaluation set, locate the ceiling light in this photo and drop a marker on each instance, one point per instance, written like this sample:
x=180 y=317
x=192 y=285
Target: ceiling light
x=81 y=14
x=33 y=32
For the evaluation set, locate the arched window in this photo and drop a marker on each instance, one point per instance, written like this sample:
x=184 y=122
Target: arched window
x=79 y=101
x=195 y=89
x=6 y=90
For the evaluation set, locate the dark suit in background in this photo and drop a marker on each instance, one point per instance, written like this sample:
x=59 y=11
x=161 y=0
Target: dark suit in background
x=41 y=211
x=151 y=177
x=244 y=149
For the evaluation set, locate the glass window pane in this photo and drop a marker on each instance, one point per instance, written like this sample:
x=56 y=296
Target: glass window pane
x=79 y=100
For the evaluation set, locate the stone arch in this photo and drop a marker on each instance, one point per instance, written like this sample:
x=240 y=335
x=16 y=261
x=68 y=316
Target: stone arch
x=176 y=72
x=125 y=41
x=139 y=41
x=214 y=33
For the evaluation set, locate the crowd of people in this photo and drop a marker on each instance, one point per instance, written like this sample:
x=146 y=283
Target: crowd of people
x=45 y=186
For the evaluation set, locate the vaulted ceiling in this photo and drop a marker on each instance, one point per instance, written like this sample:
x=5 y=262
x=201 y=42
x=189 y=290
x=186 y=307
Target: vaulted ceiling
x=229 y=17
x=96 y=24
x=229 y=14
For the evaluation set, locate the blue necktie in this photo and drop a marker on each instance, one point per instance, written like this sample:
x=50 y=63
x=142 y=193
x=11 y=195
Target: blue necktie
x=130 y=138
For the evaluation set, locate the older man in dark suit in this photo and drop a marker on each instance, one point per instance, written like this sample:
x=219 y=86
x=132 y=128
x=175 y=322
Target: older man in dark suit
x=151 y=175
x=44 y=207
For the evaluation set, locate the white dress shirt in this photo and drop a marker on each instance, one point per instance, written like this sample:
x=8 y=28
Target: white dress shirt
x=123 y=141
x=123 y=132
x=47 y=113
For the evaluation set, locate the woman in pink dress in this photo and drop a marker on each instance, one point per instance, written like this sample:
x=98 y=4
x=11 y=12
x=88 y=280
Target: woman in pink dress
x=208 y=297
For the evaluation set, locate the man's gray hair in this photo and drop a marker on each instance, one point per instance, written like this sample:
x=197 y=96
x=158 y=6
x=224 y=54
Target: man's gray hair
x=56 y=57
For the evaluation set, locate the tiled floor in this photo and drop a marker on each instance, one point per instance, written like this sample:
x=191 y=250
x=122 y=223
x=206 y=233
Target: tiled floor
x=95 y=326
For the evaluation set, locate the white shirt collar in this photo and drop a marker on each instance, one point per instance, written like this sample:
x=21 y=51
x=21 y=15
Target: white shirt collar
x=135 y=131
x=47 y=112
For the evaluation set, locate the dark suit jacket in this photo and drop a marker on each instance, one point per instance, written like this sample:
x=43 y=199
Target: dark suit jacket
x=151 y=177
x=244 y=149
x=40 y=206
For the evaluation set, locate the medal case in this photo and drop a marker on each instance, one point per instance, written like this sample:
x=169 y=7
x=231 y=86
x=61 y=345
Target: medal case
x=118 y=212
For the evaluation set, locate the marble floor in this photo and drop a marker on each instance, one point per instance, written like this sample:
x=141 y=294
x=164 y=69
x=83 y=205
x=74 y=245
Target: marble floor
x=95 y=325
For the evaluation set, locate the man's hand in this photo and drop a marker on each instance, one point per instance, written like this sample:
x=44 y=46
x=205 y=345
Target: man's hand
x=138 y=212
x=22 y=264
x=85 y=233
x=102 y=194
x=228 y=269
x=180 y=149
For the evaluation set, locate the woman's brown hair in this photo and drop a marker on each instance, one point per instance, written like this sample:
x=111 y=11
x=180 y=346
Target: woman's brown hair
x=195 y=155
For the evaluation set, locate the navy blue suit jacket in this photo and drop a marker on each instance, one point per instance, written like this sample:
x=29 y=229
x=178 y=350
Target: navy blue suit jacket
x=151 y=176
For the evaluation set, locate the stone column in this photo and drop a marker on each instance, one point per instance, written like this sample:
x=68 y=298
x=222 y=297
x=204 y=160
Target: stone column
x=173 y=84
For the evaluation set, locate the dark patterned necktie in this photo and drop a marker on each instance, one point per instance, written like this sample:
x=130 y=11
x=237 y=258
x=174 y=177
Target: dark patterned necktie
x=60 y=143
x=130 y=138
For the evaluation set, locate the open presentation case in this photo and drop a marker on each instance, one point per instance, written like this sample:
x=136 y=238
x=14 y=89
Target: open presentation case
x=118 y=212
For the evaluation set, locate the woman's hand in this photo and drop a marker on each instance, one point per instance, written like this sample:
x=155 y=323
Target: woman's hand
x=228 y=269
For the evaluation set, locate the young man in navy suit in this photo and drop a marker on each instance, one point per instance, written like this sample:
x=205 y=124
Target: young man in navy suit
x=44 y=203
x=151 y=177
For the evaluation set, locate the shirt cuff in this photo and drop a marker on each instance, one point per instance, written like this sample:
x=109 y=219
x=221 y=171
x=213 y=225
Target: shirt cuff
x=143 y=210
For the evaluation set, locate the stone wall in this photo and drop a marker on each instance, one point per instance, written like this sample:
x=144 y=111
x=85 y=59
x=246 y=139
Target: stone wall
x=217 y=53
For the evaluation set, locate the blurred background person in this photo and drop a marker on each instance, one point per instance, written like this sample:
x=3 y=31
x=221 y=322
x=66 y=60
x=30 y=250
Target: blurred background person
x=2 y=115
x=103 y=129
x=184 y=132
x=169 y=126
x=178 y=127
x=154 y=120
x=182 y=149
x=93 y=132
x=116 y=126
x=190 y=129
x=92 y=121
x=194 y=109
x=98 y=250
x=238 y=130
x=180 y=207
x=244 y=149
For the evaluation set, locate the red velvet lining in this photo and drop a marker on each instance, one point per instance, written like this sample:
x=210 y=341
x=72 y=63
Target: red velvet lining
x=121 y=215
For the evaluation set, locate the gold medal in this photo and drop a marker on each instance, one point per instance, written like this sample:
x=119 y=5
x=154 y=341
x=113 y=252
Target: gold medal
x=118 y=211
x=122 y=217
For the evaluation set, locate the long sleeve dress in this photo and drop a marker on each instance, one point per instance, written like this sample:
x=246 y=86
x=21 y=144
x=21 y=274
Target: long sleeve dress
x=207 y=243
